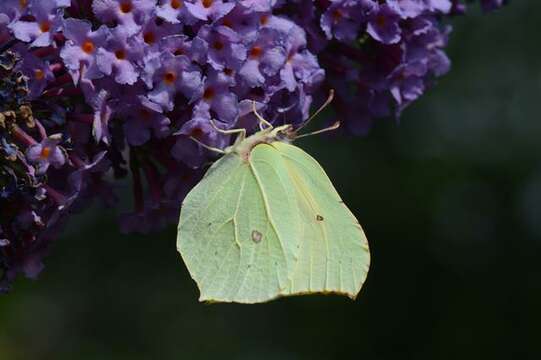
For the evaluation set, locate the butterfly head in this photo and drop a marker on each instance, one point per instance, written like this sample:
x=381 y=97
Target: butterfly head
x=268 y=133
x=286 y=133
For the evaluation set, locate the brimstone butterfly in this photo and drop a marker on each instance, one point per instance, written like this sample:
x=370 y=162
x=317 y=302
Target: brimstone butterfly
x=265 y=221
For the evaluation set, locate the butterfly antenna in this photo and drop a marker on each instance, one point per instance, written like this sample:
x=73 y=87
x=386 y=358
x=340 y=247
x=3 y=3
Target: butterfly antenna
x=260 y=118
x=219 y=151
x=321 y=108
x=334 y=126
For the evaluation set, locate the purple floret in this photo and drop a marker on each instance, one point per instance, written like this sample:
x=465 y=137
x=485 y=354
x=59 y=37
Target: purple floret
x=47 y=20
x=266 y=56
x=176 y=75
x=223 y=46
x=144 y=119
x=343 y=18
x=119 y=57
x=218 y=97
x=46 y=153
x=208 y=9
x=129 y=14
x=174 y=12
x=38 y=72
x=12 y=10
x=383 y=24
x=81 y=49
x=200 y=128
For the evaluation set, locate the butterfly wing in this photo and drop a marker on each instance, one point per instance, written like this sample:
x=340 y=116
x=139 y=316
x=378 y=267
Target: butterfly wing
x=334 y=255
x=239 y=229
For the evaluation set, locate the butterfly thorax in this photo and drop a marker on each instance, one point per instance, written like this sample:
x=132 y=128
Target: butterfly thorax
x=243 y=147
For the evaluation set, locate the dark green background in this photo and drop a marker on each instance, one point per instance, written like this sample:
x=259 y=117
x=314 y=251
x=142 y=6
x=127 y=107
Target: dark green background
x=450 y=202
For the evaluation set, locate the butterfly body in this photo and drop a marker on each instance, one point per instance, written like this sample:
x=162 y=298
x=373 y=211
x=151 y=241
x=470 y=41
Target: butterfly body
x=243 y=146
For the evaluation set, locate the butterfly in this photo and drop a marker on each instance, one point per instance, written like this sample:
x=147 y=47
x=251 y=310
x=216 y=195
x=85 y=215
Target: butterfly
x=265 y=222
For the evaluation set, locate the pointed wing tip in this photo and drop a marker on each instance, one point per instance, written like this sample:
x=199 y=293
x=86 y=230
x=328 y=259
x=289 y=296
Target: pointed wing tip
x=211 y=301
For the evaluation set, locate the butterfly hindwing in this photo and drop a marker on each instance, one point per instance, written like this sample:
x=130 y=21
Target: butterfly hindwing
x=334 y=255
x=206 y=238
x=238 y=231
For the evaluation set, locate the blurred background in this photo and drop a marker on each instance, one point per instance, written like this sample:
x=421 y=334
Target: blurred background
x=450 y=200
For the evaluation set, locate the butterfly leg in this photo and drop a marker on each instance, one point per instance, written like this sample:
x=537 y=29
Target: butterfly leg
x=262 y=121
x=241 y=131
x=214 y=149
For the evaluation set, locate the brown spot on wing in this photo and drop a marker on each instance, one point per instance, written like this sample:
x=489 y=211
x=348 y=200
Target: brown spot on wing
x=256 y=236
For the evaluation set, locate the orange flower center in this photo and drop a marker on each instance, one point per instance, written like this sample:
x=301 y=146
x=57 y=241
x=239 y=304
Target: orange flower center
x=196 y=133
x=228 y=23
x=336 y=15
x=290 y=56
x=264 y=20
x=45 y=26
x=149 y=38
x=178 y=52
x=88 y=47
x=45 y=152
x=256 y=52
x=23 y=3
x=120 y=54
x=208 y=94
x=39 y=74
x=228 y=71
x=176 y=4
x=218 y=45
x=169 y=77
x=380 y=20
x=126 y=7
x=207 y=3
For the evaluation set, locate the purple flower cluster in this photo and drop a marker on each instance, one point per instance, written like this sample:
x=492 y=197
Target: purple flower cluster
x=97 y=87
x=44 y=172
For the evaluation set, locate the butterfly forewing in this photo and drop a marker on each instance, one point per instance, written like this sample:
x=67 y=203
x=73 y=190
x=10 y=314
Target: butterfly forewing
x=334 y=255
